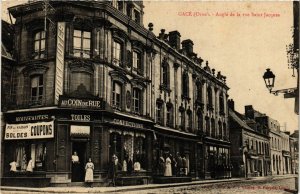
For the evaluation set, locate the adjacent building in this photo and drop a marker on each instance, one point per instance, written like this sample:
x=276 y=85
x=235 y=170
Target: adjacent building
x=250 y=155
x=294 y=144
x=93 y=80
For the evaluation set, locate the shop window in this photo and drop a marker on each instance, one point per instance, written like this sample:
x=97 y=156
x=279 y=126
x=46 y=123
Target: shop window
x=82 y=43
x=24 y=152
x=115 y=145
x=116 y=95
x=37 y=90
x=81 y=81
x=159 y=113
x=139 y=151
x=137 y=62
x=137 y=100
x=39 y=44
x=117 y=53
x=137 y=17
x=185 y=84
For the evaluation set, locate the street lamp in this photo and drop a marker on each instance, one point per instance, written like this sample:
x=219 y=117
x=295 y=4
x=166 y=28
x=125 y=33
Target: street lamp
x=269 y=78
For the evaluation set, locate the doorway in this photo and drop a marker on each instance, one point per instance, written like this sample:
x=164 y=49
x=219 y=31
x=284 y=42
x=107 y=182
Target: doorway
x=78 y=171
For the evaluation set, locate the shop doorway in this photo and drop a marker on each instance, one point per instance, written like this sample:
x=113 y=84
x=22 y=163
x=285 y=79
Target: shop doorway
x=78 y=168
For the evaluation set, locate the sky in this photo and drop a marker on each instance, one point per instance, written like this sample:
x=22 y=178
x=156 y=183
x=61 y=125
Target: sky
x=240 y=39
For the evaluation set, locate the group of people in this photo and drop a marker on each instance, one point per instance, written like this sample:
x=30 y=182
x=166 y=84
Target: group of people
x=28 y=167
x=173 y=166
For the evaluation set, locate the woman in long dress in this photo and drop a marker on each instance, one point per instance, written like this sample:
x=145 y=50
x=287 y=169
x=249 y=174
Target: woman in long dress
x=168 y=167
x=30 y=166
x=89 y=172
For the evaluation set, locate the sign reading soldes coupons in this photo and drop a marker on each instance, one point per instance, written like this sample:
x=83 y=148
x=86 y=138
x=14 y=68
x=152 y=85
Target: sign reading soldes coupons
x=39 y=130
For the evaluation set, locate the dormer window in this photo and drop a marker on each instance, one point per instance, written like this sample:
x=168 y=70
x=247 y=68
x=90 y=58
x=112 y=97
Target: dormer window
x=137 y=17
x=39 y=44
x=82 y=43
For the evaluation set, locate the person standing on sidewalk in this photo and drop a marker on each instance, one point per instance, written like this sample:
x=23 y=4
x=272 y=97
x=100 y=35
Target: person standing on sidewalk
x=168 y=167
x=89 y=172
x=30 y=166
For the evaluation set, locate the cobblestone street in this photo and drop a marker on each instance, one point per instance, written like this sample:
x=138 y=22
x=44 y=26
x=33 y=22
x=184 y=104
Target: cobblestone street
x=249 y=186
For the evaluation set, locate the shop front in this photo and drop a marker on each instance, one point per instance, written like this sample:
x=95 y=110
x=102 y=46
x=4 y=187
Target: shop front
x=27 y=139
x=217 y=160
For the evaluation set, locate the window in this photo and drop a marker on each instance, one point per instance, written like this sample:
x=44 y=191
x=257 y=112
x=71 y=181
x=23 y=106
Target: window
x=190 y=120
x=213 y=128
x=139 y=154
x=207 y=122
x=136 y=16
x=116 y=95
x=37 y=89
x=39 y=44
x=185 y=84
x=165 y=75
x=120 y=5
x=199 y=120
x=117 y=54
x=199 y=92
x=221 y=103
x=82 y=43
x=220 y=129
x=209 y=96
x=137 y=63
x=170 y=116
x=159 y=113
x=23 y=152
x=136 y=100
x=80 y=80
x=182 y=118
x=224 y=130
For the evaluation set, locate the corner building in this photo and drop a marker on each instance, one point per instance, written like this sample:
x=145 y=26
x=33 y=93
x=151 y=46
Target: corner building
x=93 y=80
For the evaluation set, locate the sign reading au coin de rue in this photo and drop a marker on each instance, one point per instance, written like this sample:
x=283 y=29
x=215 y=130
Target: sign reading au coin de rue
x=69 y=102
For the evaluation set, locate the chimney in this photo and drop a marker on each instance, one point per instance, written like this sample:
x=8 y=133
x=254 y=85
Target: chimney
x=174 y=39
x=249 y=112
x=187 y=45
x=231 y=104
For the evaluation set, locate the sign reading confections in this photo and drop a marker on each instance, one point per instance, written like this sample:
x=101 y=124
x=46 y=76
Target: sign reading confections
x=80 y=103
x=60 y=60
x=127 y=123
x=39 y=130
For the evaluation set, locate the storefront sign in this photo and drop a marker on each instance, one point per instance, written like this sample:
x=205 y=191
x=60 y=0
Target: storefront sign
x=127 y=123
x=80 y=117
x=29 y=131
x=77 y=130
x=80 y=103
x=60 y=60
x=32 y=118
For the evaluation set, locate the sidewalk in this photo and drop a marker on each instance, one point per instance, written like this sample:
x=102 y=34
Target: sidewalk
x=133 y=188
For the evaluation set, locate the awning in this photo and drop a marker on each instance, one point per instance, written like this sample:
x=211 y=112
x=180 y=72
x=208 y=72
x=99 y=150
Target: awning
x=80 y=131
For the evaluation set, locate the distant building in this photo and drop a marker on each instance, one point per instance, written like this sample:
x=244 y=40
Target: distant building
x=294 y=139
x=250 y=150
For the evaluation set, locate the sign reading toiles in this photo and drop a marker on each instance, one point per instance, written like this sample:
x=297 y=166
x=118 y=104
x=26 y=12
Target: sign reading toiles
x=80 y=103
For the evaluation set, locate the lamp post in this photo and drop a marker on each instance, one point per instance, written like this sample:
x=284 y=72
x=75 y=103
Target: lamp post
x=269 y=79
